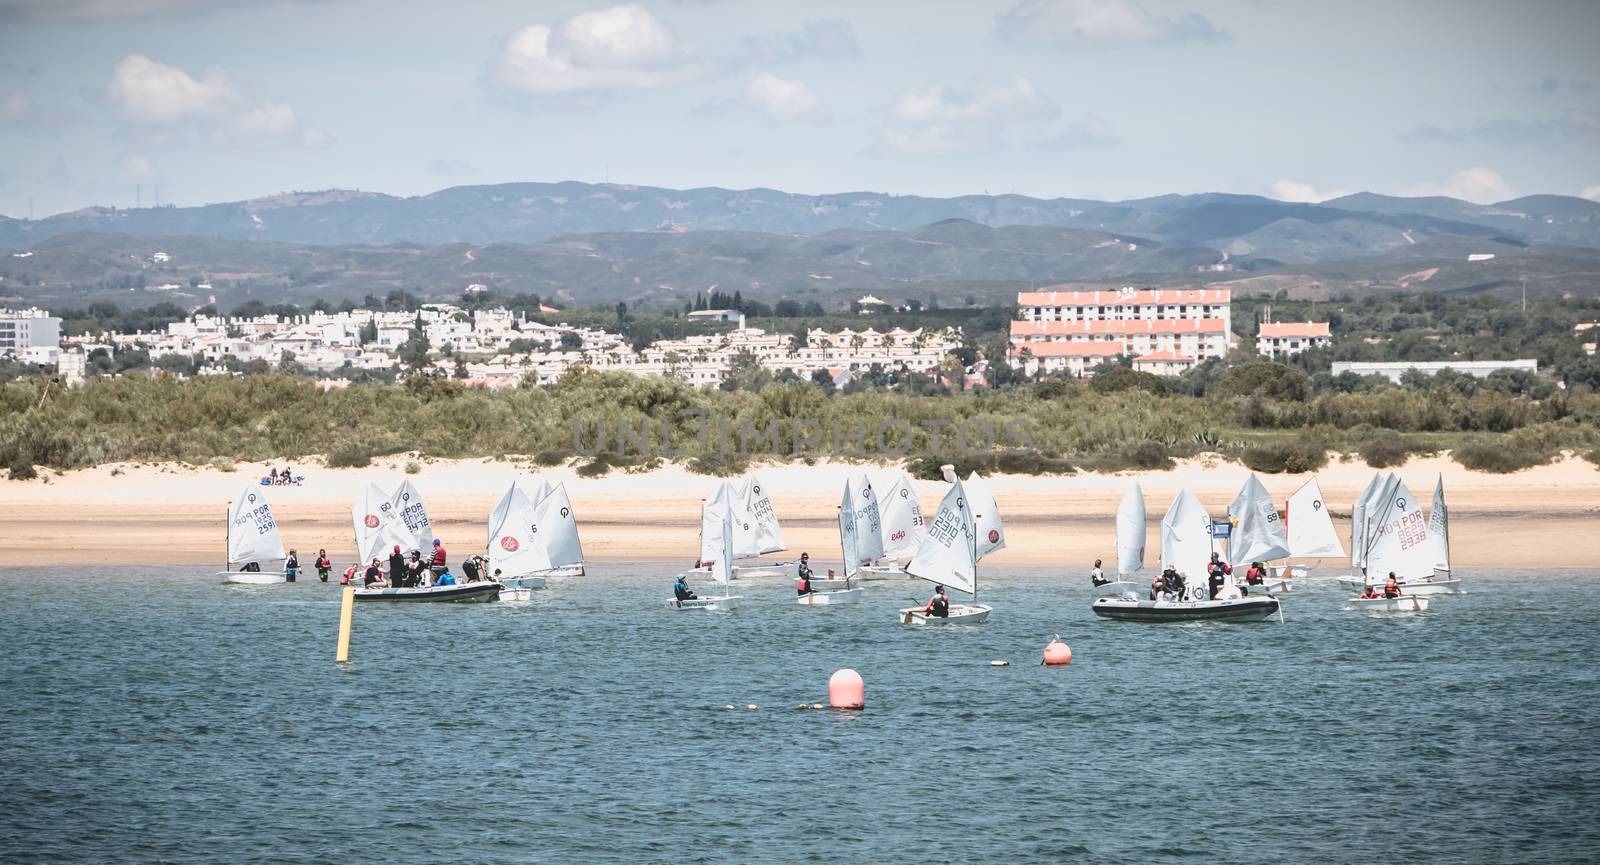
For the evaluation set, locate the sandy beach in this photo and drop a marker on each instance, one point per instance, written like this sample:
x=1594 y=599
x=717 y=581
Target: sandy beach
x=175 y=514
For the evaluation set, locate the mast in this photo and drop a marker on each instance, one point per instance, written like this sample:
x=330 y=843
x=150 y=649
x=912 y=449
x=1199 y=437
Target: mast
x=974 y=546
x=227 y=538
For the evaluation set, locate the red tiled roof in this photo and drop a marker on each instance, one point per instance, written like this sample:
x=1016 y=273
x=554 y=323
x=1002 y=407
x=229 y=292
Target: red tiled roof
x=1098 y=348
x=1113 y=298
x=1119 y=328
x=1294 y=328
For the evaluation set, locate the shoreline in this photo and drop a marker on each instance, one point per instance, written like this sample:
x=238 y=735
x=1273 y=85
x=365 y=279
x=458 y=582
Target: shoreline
x=176 y=514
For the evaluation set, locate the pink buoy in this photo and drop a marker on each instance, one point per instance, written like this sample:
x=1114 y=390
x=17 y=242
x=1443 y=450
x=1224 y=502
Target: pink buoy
x=846 y=690
x=1057 y=653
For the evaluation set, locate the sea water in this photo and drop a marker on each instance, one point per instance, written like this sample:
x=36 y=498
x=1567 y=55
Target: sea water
x=155 y=715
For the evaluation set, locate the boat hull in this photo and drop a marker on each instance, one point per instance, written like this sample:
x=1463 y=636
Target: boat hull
x=253 y=578
x=1246 y=609
x=826 y=585
x=1401 y=605
x=458 y=593
x=529 y=582
x=883 y=572
x=748 y=572
x=840 y=596
x=1448 y=586
x=960 y=614
x=725 y=602
x=1119 y=586
x=564 y=571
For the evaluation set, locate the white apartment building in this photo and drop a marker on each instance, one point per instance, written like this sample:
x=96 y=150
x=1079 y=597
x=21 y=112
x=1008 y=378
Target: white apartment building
x=1128 y=304
x=1393 y=370
x=33 y=335
x=1170 y=329
x=1288 y=338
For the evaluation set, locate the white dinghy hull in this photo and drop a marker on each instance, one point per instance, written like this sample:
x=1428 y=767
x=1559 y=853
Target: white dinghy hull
x=457 y=593
x=1449 y=586
x=840 y=596
x=253 y=578
x=960 y=614
x=883 y=572
x=1403 y=604
x=726 y=602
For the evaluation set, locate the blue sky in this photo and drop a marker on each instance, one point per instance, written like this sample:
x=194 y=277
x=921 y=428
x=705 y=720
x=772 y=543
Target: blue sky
x=216 y=100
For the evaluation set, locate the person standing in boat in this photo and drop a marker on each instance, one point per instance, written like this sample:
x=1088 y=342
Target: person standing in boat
x=397 y=568
x=469 y=566
x=1097 y=576
x=1391 y=587
x=939 y=605
x=323 y=565
x=680 y=589
x=291 y=567
x=803 y=578
x=438 y=564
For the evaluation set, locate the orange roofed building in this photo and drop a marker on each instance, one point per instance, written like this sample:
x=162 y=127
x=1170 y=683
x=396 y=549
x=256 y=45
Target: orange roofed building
x=1287 y=338
x=1174 y=328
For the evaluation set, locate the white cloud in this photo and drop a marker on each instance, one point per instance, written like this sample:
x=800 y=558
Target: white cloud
x=270 y=123
x=1294 y=190
x=1480 y=184
x=1091 y=24
x=789 y=101
x=938 y=120
x=1591 y=192
x=618 y=48
x=154 y=94
x=1085 y=132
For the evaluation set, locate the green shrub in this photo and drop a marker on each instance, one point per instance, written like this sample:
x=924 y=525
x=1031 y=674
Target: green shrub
x=1593 y=456
x=550 y=458
x=350 y=457
x=1123 y=378
x=22 y=471
x=223 y=464
x=1497 y=457
x=1386 y=450
x=1293 y=457
x=413 y=467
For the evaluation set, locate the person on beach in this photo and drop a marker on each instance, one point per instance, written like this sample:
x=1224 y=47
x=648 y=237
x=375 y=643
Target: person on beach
x=1391 y=587
x=680 y=589
x=939 y=605
x=374 y=576
x=1097 y=576
x=274 y=475
x=438 y=563
x=323 y=565
x=397 y=567
x=291 y=567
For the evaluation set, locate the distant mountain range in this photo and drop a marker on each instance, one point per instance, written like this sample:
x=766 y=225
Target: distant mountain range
x=588 y=243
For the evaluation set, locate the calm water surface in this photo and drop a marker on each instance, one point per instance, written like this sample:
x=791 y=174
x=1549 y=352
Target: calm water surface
x=154 y=715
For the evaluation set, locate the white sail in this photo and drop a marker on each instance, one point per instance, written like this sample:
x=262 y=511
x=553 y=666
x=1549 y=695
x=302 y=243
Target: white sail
x=414 y=516
x=991 y=533
x=1258 y=531
x=1397 y=536
x=514 y=545
x=901 y=516
x=537 y=492
x=558 y=529
x=848 y=526
x=1186 y=539
x=869 y=521
x=1310 y=529
x=716 y=522
x=1439 y=528
x=252 y=533
x=746 y=531
x=769 y=536
x=377 y=524
x=948 y=553
x=1358 y=518
x=1130 y=531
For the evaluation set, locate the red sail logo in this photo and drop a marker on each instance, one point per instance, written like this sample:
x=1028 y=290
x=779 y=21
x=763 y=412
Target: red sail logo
x=994 y=536
x=371 y=521
x=509 y=544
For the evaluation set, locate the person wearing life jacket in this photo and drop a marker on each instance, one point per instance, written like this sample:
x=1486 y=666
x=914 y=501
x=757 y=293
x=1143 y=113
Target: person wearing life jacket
x=1255 y=575
x=1173 y=583
x=680 y=589
x=444 y=578
x=1391 y=587
x=1097 y=576
x=1157 y=586
x=471 y=569
x=1368 y=593
x=291 y=567
x=397 y=568
x=374 y=576
x=350 y=574
x=803 y=574
x=438 y=563
x=939 y=605
x=323 y=565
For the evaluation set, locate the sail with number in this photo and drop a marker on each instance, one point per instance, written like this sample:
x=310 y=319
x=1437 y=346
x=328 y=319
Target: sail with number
x=991 y=533
x=252 y=532
x=1258 y=530
x=1310 y=529
x=1439 y=528
x=769 y=536
x=414 y=517
x=746 y=531
x=1397 y=535
x=377 y=524
x=513 y=536
x=901 y=516
x=1186 y=538
x=869 y=520
x=848 y=528
x=1130 y=531
x=948 y=552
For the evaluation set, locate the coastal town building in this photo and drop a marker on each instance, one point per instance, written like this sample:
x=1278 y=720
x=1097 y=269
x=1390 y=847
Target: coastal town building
x=1179 y=326
x=1393 y=370
x=1278 y=339
x=31 y=335
x=1163 y=363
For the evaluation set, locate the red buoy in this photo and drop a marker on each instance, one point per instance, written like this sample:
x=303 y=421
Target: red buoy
x=1057 y=653
x=846 y=690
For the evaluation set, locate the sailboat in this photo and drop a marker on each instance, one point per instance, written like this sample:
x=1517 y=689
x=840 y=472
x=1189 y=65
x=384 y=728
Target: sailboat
x=900 y=518
x=1186 y=547
x=527 y=539
x=716 y=522
x=252 y=536
x=536 y=494
x=756 y=531
x=382 y=522
x=1130 y=541
x=1309 y=527
x=1396 y=542
x=1257 y=534
x=851 y=526
x=948 y=555
x=1421 y=571
x=1358 y=529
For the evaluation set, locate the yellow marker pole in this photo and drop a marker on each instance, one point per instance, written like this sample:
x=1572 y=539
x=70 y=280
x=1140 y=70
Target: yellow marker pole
x=347 y=608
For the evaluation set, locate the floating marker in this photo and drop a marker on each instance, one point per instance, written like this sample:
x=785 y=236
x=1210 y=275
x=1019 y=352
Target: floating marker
x=729 y=708
x=347 y=608
x=1057 y=653
x=752 y=707
x=999 y=663
x=846 y=690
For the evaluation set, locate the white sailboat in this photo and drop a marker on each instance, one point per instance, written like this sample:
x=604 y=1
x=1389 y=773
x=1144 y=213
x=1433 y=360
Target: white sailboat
x=1309 y=527
x=252 y=537
x=1130 y=542
x=378 y=527
x=1358 y=529
x=900 y=515
x=757 y=532
x=1400 y=537
x=1258 y=534
x=986 y=511
x=383 y=522
x=716 y=521
x=851 y=527
x=527 y=540
x=1186 y=547
x=414 y=516
x=948 y=555
x=537 y=493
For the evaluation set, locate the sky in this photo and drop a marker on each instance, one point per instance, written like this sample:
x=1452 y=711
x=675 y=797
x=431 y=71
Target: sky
x=124 y=102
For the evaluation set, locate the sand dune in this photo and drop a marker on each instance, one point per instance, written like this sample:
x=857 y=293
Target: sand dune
x=175 y=514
